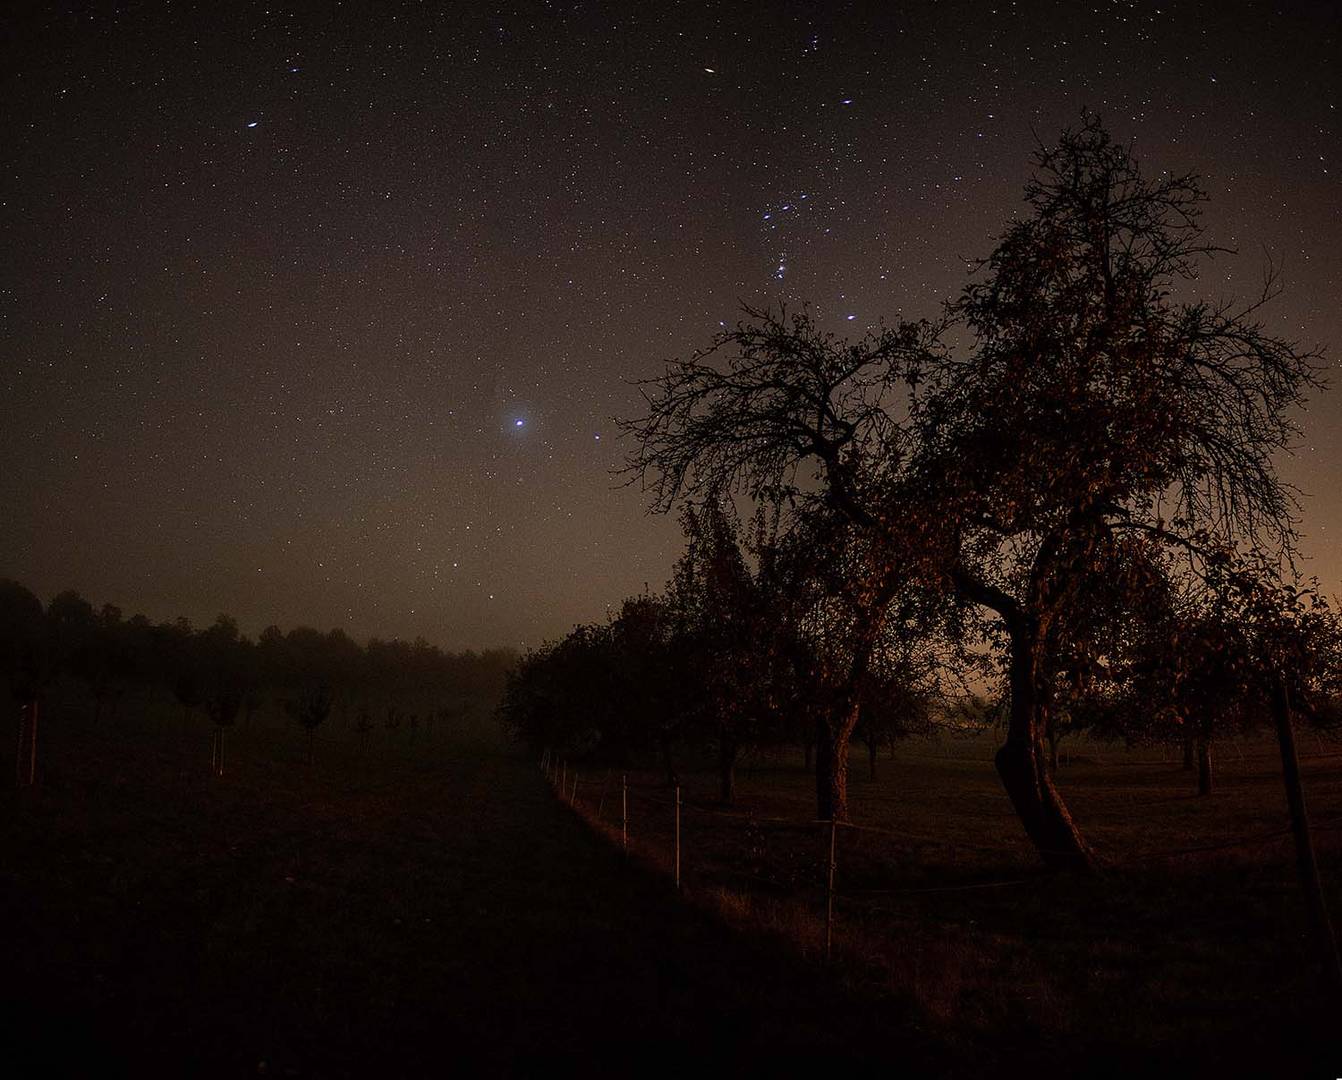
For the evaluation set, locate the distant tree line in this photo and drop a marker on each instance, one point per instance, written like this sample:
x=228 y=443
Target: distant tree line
x=227 y=676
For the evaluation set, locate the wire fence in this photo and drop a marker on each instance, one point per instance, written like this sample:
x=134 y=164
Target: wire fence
x=649 y=816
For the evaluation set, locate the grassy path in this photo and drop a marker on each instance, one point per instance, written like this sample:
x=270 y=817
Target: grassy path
x=418 y=921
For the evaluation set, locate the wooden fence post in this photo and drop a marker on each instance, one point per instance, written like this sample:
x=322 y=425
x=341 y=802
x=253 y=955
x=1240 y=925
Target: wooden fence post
x=677 y=837
x=25 y=761
x=829 y=892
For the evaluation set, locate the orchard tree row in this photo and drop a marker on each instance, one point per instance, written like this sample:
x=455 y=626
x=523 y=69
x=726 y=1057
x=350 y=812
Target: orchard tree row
x=746 y=648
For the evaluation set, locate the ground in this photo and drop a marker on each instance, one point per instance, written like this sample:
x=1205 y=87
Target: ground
x=431 y=910
x=418 y=906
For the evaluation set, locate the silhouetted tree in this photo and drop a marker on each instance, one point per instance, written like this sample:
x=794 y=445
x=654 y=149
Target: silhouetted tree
x=1088 y=405
x=222 y=662
x=719 y=633
x=898 y=696
x=1280 y=644
x=180 y=662
x=645 y=692
x=310 y=708
x=838 y=592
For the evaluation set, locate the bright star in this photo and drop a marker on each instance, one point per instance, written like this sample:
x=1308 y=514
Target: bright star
x=850 y=318
x=252 y=123
x=518 y=423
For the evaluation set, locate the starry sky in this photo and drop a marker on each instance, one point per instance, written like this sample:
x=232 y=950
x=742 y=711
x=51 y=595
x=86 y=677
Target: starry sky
x=321 y=314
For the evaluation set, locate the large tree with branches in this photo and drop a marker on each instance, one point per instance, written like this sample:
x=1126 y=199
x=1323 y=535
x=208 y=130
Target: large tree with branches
x=1081 y=402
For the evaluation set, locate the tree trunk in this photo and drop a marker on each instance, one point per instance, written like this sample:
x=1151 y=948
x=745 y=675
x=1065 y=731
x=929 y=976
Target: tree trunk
x=1022 y=765
x=727 y=751
x=1307 y=865
x=1188 y=753
x=1204 y=747
x=808 y=750
x=831 y=763
x=1052 y=751
x=312 y=733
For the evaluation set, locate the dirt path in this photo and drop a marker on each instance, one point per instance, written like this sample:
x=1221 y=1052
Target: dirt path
x=447 y=915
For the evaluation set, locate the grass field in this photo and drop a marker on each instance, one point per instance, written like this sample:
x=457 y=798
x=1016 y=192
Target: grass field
x=1190 y=947
x=432 y=908
x=399 y=910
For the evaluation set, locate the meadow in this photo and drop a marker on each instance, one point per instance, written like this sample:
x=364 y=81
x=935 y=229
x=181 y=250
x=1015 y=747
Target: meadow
x=428 y=904
x=1189 y=948
x=403 y=907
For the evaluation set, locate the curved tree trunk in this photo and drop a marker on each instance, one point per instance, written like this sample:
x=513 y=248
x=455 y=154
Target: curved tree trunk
x=1023 y=767
x=833 y=737
x=1204 y=747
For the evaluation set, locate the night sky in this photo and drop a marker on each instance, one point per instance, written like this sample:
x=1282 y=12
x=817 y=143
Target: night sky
x=321 y=315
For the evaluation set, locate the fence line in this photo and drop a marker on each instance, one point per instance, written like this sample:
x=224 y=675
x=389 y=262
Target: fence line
x=1246 y=840
x=556 y=772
